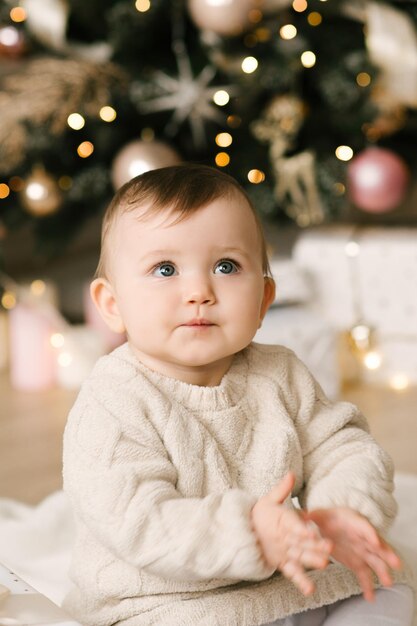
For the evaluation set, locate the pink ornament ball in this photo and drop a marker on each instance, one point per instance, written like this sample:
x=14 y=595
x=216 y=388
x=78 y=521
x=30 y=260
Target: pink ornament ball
x=377 y=180
x=138 y=157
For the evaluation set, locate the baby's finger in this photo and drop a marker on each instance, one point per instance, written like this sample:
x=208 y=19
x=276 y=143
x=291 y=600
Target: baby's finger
x=295 y=572
x=365 y=580
x=380 y=568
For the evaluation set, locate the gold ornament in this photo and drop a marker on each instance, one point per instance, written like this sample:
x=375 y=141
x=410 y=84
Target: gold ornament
x=295 y=180
x=41 y=195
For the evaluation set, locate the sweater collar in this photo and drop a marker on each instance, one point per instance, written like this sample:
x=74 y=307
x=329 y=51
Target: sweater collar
x=196 y=397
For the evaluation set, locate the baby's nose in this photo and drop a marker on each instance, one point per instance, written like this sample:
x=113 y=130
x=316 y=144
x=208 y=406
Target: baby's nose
x=200 y=291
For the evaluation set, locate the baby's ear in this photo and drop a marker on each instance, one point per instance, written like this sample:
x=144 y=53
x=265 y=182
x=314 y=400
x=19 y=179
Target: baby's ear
x=269 y=297
x=103 y=297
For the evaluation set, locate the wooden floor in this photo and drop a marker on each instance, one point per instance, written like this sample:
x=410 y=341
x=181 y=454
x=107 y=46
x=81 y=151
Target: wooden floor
x=32 y=424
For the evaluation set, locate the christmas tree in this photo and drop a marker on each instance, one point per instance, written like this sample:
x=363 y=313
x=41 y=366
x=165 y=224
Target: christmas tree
x=310 y=104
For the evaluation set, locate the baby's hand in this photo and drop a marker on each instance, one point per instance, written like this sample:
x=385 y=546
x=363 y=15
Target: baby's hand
x=288 y=542
x=357 y=545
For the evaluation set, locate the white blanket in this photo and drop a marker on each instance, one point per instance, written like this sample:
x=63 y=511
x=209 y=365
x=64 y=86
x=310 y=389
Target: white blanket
x=35 y=542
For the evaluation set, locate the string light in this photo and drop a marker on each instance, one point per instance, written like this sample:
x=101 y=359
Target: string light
x=147 y=134
x=372 y=360
x=263 y=34
x=85 y=149
x=16 y=183
x=234 y=121
x=363 y=79
x=57 y=340
x=8 y=300
x=399 y=382
x=249 y=65
x=308 y=59
x=37 y=287
x=65 y=182
x=142 y=5
x=344 y=153
x=4 y=190
x=314 y=18
x=9 y=36
x=224 y=140
x=339 y=189
x=222 y=159
x=18 y=14
x=108 y=114
x=299 y=5
x=256 y=176
x=255 y=16
x=75 y=121
x=288 y=31
x=352 y=249
x=221 y=97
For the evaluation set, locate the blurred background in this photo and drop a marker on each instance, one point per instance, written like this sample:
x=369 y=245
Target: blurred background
x=310 y=104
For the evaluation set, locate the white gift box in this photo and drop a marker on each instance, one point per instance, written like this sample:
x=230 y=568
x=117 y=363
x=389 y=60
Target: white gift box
x=367 y=275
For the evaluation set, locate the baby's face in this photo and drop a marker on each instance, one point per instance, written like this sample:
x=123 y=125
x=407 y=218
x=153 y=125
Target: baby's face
x=191 y=294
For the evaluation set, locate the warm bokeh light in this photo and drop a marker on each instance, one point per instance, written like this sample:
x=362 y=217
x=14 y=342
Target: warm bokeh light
x=221 y=97
x=372 y=360
x=57 y=340
x=249 y=65
x=399 y=382
x=76 y=121
x=234 y=121
x=255 y=16
x=108 y=114
x=308 y=58
x=352 y=249
x=314 y=18
x=37 y=287
x=18 y=14
x=222 y=159
x=256 y=176
x=143 y=5
x=8 y=300
x=224 y=139
x=147 y=134
x=65 y=182
x=85 y=149
x=339 y=189
x=263 y=34
x=16 y=183
x=344 y=153
x=4 y=190
x=363 y=79
x=299 y=5
x=288 y=31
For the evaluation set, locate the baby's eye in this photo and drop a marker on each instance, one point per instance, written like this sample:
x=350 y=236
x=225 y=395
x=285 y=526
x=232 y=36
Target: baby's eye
x=226 y=267
x=164 y=269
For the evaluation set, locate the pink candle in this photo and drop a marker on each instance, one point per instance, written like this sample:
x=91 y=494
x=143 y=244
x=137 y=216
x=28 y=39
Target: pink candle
x=32 y=359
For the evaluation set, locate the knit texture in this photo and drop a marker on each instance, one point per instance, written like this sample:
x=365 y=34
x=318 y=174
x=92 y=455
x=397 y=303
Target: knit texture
x=162 y=476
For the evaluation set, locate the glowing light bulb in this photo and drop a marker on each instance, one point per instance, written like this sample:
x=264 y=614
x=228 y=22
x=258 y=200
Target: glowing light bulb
x=352 y=249
x=372 y=360
x=308 y=59
x=8 y=300
x=288 y=31
x=221 y=97
x=142 y=5
x=4 y=190
x=18 y=14
x=57 y=340
x=85 y=149
x=399 y=382
x=344 y=153
x=363 y=79
x=249 y=65
x=76 y=121
x=37 y=287
x=314 y=18
x=108 y=114
x=299 y=5
x=224 y=139
x=65 y=359
x=222 y=159
x=256 y=176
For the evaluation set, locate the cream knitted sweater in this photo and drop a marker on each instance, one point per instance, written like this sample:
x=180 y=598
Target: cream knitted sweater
x=162 y=476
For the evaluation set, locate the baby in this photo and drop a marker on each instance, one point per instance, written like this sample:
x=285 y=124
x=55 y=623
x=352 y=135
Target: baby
x=188 y=445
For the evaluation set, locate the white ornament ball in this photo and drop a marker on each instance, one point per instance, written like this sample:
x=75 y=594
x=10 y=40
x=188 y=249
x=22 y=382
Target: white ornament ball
x=41 y=194
x=138 y=157
x=224 y=17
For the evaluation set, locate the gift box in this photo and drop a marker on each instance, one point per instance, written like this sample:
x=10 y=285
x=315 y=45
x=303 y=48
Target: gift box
x=367 y=275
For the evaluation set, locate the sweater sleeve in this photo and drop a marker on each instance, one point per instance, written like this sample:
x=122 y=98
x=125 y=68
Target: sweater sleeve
x=124 y=492
x=343 y=464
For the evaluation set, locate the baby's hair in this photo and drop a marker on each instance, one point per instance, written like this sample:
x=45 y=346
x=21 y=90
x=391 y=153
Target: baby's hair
x=183 y=189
